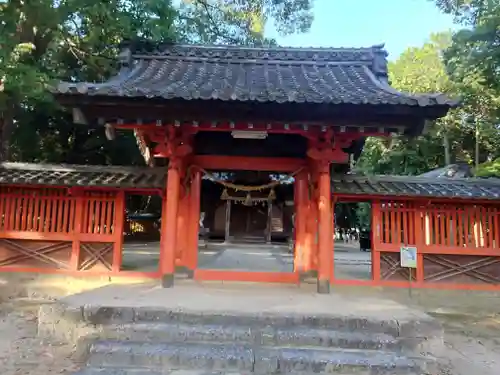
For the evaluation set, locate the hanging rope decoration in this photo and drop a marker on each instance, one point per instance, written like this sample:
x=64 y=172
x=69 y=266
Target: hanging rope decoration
x=248 y=200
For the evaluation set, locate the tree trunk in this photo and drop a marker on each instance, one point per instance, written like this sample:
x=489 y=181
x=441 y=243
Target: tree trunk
x=446 y=146
x=6 y=130
x=476 y=154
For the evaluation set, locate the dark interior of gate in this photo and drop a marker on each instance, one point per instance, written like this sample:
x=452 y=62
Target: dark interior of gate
x=246 y=221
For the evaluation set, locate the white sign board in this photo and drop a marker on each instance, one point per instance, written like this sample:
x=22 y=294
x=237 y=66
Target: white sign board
x=408 y=257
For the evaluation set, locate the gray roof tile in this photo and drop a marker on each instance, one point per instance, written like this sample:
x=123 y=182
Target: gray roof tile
x=146 y=178
x=82 y=175
x=398 y=186
x=280 y=75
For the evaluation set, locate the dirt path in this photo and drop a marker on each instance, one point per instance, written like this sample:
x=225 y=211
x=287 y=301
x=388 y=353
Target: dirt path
x=473 y=345
x=21 y=351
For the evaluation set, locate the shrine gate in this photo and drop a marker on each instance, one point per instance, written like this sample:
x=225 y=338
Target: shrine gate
x=204 y=111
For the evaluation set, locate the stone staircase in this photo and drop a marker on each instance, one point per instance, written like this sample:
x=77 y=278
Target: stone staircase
x=140 y=341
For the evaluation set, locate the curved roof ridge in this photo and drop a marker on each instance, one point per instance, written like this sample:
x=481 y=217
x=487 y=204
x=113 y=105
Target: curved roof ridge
x=158 y=46
x=422 y=99
x=417 y=179
x=136 y=51
x=63 y=167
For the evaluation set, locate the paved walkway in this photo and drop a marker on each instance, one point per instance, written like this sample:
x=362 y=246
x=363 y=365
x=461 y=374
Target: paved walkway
x=350 y=262
x=267 y=258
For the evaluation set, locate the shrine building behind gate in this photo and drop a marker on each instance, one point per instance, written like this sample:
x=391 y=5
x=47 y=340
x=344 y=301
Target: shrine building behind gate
x=276 y=128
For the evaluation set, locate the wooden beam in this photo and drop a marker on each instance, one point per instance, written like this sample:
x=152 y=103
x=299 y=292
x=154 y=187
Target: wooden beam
x=248 y=163
x=143 y=147
x=269 y=228
x=307 y=130
x=227 y=221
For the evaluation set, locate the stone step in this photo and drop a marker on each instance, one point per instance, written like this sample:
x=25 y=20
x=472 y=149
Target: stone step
x=124 y=315
x=145 y=371
x=254 y=335
x=121 y=371
x=244 y=358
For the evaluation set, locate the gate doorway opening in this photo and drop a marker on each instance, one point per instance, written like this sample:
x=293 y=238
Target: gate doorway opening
x=243 y=228
x=141 y=234
x=353 y=245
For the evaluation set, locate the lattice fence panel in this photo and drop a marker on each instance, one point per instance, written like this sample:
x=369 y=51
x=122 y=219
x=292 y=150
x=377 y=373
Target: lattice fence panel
x=99 y=213
x=397 y=223
x=48 y=210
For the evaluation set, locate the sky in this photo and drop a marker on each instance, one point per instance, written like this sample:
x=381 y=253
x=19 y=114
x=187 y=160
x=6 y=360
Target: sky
x=362 y=23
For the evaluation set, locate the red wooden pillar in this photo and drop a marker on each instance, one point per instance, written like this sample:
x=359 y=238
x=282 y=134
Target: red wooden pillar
x=332 y=233
x=168 y=243
x=418 y=223
x=300 y=197
x=376 y=225
x=311 y=241
x=194 y=221
x=325 y=235
x=77 y=230
x=310 y=232
x=182 y=227
x=118 y=225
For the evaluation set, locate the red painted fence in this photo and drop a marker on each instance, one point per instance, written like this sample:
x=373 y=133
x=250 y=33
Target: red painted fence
x=60 y=229
x=458 y=245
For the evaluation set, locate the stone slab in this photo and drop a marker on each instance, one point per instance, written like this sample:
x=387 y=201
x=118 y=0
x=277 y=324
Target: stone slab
x=243 y=299
x=238 y=304
x=147 y=371
x=252 y=335
x=264 y=360
x=172 y=355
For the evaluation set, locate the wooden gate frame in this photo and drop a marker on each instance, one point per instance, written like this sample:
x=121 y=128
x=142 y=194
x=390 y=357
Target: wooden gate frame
x=191 y=253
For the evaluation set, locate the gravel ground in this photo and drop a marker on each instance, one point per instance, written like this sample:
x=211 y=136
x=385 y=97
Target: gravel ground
x=21 y=351
x=473 y=345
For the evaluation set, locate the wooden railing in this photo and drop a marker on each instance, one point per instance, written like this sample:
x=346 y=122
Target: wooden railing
x=436 y=227
x=461 y=227
x=456 y=243
x=98 y=216
x=32 y=210
x=396 y=224
x=38 y=222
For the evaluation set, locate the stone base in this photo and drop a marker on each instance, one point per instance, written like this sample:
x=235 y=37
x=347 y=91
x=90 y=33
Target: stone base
x=259 y=329
x=89 y=313
x=167 y=280
x=323 y=286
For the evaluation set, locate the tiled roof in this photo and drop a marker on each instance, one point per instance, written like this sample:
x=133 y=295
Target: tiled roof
x=280 y=75
x=394 y=186
x=458 y=170
x=82 y=175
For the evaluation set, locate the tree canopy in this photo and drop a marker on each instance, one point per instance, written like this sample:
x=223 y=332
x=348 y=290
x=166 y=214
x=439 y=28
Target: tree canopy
x=464 y=64
x=473 y=63
x=46 y=40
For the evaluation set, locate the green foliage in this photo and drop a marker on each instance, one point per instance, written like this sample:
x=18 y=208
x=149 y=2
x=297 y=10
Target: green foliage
x=418 y=70
x=465 y=65
x=473 y=62
x=45 y=40
x=243 y=22
x=401 y=155
x=473 y=59
x=489 y=169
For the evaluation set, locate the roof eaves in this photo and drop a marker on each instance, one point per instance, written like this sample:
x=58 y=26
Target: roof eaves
x=422 y=100
x=417 y=179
